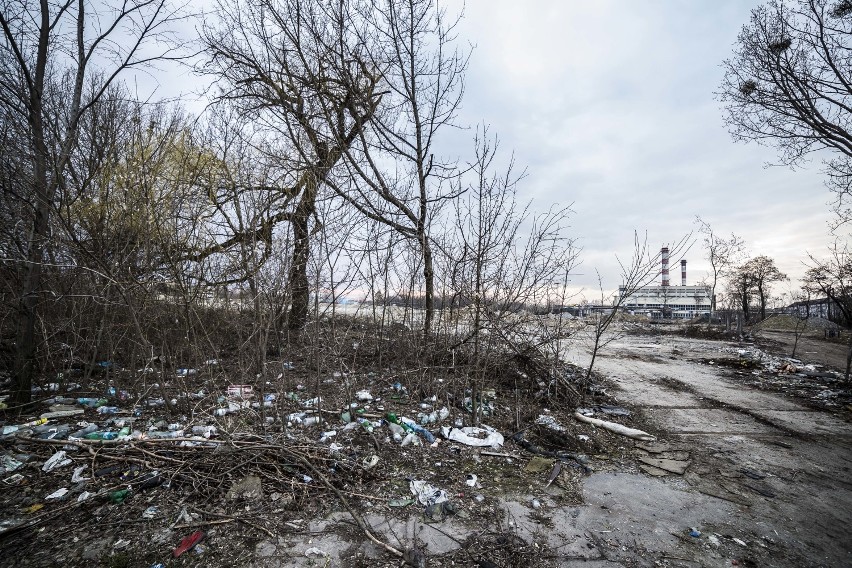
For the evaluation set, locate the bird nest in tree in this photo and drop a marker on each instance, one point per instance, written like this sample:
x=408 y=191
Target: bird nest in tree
x=748 y=87
x=842 y=9
x=782 y=44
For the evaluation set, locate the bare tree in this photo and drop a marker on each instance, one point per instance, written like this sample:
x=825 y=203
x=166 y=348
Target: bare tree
x=722 y=253
x=758 y=274
x=401 y=180
x=298 y=69
x=47 y=47
x=832 y=277
x=789 y=85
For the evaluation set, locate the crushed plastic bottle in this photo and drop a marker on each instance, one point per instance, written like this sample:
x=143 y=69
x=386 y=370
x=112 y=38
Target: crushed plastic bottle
x=108 y=410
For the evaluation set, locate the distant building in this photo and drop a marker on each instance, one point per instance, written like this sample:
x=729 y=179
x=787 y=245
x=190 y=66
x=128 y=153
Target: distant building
x=678 y=302
x=665 y=301
x=819 y=308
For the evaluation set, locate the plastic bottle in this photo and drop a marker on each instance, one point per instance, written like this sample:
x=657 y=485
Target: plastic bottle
x=14 y=428
x=419 y=429
x=92 y=402
x=393 y=419
x=160 y=435
x=206 y=431
x=101 y=436
x=109 y=410
x=82 y=433
x=366 y=424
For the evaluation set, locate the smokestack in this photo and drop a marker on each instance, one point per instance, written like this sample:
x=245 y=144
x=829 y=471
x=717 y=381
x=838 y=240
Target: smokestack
x=664 y=255
x=683 y=272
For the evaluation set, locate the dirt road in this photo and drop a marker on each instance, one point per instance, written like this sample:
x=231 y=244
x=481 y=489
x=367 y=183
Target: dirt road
x=776 y=474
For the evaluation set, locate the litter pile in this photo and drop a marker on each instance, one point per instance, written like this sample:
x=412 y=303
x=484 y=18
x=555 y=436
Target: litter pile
x=813 y=383
x=192 y=456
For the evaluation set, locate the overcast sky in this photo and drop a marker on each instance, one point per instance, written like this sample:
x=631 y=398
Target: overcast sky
x=610 y=105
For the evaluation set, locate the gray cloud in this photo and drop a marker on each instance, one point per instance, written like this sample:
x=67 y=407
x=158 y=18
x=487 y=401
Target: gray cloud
x=610 y=105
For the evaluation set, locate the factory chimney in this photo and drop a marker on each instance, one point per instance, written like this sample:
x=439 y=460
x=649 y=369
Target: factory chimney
x=683 y=272
x=664 y=255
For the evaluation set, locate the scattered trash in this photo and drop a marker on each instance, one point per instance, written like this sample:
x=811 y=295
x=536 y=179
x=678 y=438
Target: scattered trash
x=549 y=422
x=8 y=464
x=399 y=503
x=188 y=543
x=151 y=512
x=58 y=494
x=536 y=504
x=14 y=428
x=617 y=428
x=364 y=396
x=77 y=476
x=613 y=410
x=694 y=532
x=119 y=496
x=370 y=462
x=57 y=460
x=440 y=510
x=426 y=493
x=242 y=392
x=474 y=436
x=314 y=552
x=471 y=480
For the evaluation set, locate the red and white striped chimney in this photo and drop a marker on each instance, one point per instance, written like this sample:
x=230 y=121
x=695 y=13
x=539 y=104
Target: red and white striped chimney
x=683 y=272
x=664 y=255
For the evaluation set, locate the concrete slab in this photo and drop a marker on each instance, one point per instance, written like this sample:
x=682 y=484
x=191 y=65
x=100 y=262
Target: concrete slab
x=807 y=422
x=707 y=420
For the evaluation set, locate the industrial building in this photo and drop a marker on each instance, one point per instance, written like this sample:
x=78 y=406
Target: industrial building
x=665 y=301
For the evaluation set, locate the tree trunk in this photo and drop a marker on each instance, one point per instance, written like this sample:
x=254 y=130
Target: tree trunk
x=849 y=358
x=298 y=281
x=44 y=193
x=429 y=277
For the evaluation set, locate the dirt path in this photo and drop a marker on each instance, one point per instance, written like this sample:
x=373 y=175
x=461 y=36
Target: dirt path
x=810 y=349
x=794 y=505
